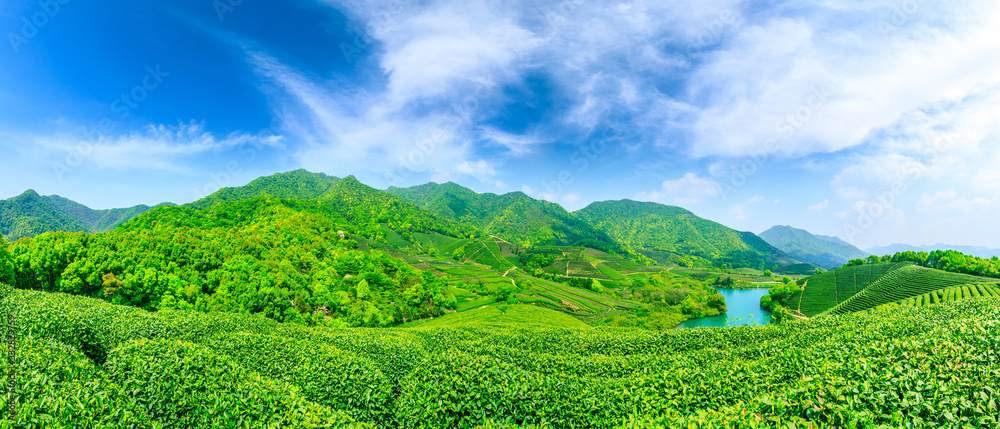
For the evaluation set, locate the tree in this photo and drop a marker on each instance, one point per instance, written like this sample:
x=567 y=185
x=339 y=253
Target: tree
x=6 y=264
x=768 y=273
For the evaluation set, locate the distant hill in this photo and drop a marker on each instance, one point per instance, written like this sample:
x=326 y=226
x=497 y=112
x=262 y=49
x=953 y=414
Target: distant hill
x=979 y=251
x=515 y=216
x=673 y=229
x=30 y=214
x=822 y=251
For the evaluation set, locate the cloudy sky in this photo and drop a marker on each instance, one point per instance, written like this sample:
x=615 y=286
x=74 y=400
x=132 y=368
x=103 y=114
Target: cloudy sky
x=873 y=121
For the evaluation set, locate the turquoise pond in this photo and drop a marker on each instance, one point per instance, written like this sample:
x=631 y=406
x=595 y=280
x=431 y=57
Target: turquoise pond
x=744 y=309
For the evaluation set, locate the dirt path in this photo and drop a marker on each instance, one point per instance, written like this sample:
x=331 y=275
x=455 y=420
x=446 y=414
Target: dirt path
x=799 y=307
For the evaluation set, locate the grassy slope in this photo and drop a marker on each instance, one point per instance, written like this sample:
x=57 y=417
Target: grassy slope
x=673 y=229
x=513 y=316
x=83 y=360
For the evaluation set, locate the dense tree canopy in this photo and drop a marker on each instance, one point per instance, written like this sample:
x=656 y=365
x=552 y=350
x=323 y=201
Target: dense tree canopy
x=281 y=258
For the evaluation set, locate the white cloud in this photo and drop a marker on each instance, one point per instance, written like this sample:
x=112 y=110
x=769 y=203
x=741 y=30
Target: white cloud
x=948 y=202
x=987 y=180
x=570 y=201
x=739 y=210
x=479 y=169
x=769 y=72
x=157 y=147
x=820 y=206
x=690 y=189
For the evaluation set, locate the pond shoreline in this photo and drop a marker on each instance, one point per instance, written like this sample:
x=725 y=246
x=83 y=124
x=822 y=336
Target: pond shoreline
x=743 y=308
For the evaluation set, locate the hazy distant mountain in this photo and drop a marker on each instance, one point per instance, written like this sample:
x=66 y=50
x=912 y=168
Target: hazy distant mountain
x=980 y=251
x=674 y=229
x=30 y=214
x=823 y=251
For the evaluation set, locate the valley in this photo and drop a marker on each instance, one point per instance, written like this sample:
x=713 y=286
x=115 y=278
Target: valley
x=340 y=305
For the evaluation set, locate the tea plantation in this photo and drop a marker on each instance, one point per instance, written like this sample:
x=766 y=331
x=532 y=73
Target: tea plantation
x=83 y=362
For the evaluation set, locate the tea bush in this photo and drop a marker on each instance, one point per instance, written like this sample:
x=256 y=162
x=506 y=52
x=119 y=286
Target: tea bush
x=930 y=366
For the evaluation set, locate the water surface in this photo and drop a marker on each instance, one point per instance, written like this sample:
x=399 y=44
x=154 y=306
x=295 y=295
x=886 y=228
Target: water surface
x=744 y=309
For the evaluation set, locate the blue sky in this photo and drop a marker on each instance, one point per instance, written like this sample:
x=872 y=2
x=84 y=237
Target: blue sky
x=873 y=122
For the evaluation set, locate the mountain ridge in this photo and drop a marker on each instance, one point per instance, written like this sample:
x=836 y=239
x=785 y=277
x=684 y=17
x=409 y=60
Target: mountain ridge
x=823 y=251
x=30 y=214
x=678 y=230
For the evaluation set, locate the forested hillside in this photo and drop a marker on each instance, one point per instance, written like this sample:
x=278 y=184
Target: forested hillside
x=285 y=259
x=516 y=217
x=298 y=184
x=348 y=255
x=673 y=229
x=30 y=214
x=826 y=252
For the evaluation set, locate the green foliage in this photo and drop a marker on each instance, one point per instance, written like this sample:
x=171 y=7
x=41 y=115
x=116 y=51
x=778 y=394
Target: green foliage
x=6 y=263
x=826 y=252
x=30 y=214
x=521 y=316
x=876 y=281
x=282 y=258
x=181 y=384
x=824 y=291
x=675 y=230
x=515 y=216
x=901 y=367
x=298 y=184
x=903 y=283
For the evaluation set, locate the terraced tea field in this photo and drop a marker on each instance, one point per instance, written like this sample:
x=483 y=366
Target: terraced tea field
x=825 y=291
x=903 y=283
x=954 y=293
x=86 y=363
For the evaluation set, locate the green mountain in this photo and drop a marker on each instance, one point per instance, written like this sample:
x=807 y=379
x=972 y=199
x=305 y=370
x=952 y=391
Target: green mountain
x=663 y=228
x=825 y=252
x=30 y=214
x=515 y=217
x=299 y=184
x=362 y=207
